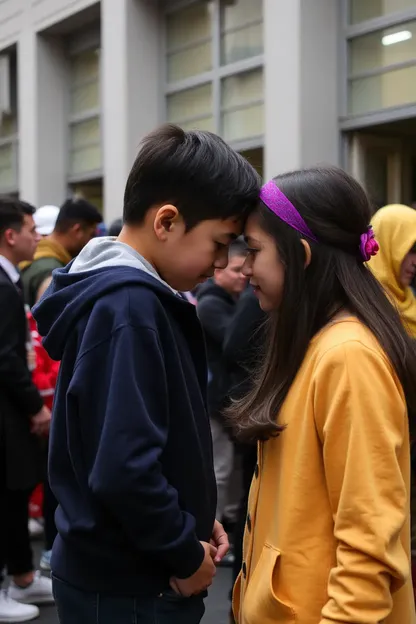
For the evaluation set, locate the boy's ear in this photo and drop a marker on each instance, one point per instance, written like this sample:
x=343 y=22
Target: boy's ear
x=308 y=252
x=166 y=217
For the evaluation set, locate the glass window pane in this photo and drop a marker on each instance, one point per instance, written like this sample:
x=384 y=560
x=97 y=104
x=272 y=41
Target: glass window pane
x=85 y=160
x=242 y=88
x=85 y=133
x=191 y=103
x=7 y=173
x=361 y=10
x=240 y=12
x=383 y=48
x=85 y=98
x=85 y=66
x=189 y=62
x=256 y=159
x=207 y=123
x=91 y=191
x=188 y=25
x=243 y=123
x=396 y=88
x=8 y=126
x=242 y=44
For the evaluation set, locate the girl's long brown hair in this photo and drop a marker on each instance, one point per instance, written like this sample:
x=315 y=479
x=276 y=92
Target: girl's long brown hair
x=337 y=210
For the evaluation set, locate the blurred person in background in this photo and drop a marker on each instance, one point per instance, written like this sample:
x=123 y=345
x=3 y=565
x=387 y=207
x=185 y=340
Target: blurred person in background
x=395 y=268
x=44 y=376
x=75 y=226
x=243 y=347
x=216 y=301
x=24 y=419
x=395 y=265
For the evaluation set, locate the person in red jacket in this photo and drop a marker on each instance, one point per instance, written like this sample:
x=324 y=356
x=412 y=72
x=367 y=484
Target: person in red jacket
x=44 y=375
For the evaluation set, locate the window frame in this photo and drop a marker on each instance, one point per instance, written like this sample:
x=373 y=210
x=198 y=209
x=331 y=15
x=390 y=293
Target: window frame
x=349 y=32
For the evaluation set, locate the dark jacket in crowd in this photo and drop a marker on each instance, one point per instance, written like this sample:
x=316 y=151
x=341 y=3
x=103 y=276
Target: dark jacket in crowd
x=243 y=341
x=215 y=307
x=130 y=455
x=20 y=454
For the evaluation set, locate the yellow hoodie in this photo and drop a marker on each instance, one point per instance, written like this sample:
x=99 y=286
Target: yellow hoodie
x=328 y=534
x=395 y=230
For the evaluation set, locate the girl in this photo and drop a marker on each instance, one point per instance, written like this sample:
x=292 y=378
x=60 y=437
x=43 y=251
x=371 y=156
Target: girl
x=327 y=536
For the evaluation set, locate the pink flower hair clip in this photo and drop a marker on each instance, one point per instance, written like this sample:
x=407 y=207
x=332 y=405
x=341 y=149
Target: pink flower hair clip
x=368 y=245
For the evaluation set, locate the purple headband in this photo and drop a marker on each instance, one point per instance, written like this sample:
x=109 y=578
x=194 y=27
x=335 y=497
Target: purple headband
x=278 y=203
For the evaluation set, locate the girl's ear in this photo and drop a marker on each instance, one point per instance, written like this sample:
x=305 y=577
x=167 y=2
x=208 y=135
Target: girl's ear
x=308 y=252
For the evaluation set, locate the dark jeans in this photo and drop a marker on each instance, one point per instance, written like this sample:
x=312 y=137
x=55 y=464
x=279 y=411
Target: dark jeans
x=79 y=607
x=15 y=550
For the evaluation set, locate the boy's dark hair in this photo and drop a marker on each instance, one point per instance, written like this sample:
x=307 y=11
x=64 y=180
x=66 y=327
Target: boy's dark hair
x=195 y=171
x=75 y=211
x=337 y=210
x=12 y=213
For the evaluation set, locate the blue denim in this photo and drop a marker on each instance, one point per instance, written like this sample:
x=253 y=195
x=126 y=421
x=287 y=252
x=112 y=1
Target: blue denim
x=76 y=606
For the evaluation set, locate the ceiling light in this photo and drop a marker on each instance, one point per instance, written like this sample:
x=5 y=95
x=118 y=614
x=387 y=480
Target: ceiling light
x=397 y=37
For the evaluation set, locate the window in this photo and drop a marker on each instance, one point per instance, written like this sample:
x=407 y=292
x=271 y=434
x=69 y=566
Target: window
x=192 y=108
x=85 y=128
x=382 y=68
x=241 y=30
x=189 y=41
x=8 y=123
x=216 y=47
x=242 y=106
x=362 y=10
x=383 y=48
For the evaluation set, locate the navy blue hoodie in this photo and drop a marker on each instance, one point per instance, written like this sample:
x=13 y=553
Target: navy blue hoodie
x=130 y=453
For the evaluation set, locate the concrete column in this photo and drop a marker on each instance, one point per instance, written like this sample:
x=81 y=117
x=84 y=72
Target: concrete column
x=43 y=125
x=301 y=84
x=27 y=113
x=131 y=93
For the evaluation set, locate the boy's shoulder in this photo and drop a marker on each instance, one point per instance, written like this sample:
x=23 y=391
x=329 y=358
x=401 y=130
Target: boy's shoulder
x=135 y=303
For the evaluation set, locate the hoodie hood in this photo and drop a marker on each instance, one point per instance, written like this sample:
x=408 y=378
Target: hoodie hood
x=395 y=230
x=103 y=266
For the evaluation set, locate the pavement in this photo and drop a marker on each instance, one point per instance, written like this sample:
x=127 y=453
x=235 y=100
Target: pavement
x=217 y=603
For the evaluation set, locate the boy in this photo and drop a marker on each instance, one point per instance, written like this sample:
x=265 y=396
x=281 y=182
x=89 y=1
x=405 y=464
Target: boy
x=131 y=458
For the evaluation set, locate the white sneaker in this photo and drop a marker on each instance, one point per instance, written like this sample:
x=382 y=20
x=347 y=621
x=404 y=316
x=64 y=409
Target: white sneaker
x=12 y=611
x=35 y=528
x=38 y=592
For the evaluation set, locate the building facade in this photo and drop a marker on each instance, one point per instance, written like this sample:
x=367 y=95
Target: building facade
x=289 y=83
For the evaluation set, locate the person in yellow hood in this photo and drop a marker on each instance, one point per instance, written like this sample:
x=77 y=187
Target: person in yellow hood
x=395 y=265
x=75 y=225
x=327 y=537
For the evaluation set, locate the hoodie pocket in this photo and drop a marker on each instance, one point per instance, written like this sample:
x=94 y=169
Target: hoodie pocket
x=261 y=604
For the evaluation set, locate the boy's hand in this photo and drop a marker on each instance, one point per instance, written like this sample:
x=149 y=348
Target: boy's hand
x=220 y=541
x=41 y=421
x=201 y=579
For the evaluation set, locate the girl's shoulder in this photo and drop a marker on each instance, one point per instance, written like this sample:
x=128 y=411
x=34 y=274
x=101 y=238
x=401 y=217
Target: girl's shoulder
x=347 y=338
